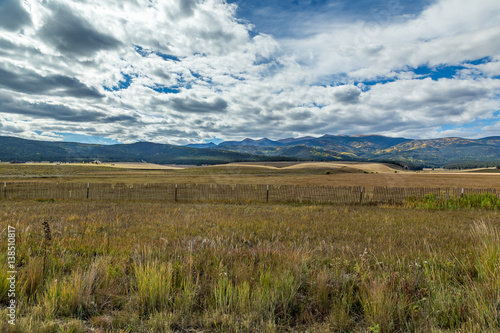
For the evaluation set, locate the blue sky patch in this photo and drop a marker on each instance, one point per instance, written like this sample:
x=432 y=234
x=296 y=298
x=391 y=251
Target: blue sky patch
x=196 y=75
x=167 y=56
x=165 y=90
x=72 y=137
x=145 y=53
x=285 y=18
x=239 y=78
x=484 y=60
x=474 y=127
x=213 y=140
x=374 y=82
x=441 y=72
x=447 y=72
x=123 y=84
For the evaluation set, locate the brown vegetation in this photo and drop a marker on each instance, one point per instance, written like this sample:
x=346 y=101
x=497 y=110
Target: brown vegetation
x=309 y=174
x=160 y=267
x=144 y=266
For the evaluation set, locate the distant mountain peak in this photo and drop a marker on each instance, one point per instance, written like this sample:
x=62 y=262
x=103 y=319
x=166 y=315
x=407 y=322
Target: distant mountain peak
x=287 y=140
x=251 y=142
x=368 y=135
x=414 y=153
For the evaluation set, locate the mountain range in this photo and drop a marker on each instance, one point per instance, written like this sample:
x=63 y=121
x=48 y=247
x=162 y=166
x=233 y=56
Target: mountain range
x=410 y=153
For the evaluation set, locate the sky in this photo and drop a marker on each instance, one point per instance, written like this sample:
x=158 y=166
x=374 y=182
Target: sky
x=191 y=71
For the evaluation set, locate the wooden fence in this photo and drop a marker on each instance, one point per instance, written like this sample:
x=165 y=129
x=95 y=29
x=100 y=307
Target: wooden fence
x=227 y=193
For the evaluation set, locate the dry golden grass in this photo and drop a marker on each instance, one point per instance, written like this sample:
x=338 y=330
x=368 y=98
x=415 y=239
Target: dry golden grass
x=340 y=174
x=161 y=267
x=361 y=166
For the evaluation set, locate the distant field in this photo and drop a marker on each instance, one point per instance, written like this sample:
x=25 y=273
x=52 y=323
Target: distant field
x=358 y=166
x=486 y=170
x=37 y=169
x=334 y=174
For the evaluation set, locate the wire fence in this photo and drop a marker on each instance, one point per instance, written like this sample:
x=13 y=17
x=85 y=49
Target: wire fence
x=229 y=193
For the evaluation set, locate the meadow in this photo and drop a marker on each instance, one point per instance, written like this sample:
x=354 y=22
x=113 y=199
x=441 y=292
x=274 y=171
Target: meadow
x=141 y=266
x=279 y=173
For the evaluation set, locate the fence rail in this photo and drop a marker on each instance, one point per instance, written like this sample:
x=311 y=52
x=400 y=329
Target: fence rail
x=228 y=193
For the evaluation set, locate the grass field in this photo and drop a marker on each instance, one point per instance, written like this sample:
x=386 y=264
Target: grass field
x=281 y=173
x=486 y=170
x=150 y=267
x=126 y=266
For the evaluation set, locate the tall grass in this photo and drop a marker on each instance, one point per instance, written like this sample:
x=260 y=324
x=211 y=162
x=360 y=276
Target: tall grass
x=486 y=288
x=154 y=285
x=261 y=268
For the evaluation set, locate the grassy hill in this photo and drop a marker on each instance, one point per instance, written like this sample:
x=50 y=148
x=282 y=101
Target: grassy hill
x=28 y=150
x=299 y=151
x=413 y=154
x=442 y=152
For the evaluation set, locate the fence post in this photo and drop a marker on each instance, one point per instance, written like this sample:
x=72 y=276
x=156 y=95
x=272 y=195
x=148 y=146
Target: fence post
x=267 y=194
x=5 y=189
x=88 y=190
x=361 y=196
x=175 y=192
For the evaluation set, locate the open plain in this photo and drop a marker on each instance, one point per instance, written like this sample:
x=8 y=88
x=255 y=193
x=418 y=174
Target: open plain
x=276 y=173
x=149 y=266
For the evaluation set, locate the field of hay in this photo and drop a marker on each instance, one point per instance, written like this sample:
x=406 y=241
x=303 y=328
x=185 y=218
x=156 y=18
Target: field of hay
x=144 y=266
x=162 y=267
x=277 y=173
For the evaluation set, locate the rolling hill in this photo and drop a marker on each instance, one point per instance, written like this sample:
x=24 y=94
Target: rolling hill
x=29 y=150
x=412 y=154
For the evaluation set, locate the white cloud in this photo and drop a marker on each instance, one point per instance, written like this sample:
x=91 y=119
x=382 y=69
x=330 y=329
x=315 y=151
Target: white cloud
x=448 y=32
x=218 y=78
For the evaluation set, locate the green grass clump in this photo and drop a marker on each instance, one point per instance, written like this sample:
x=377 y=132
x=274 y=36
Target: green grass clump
x=432 y=201
x=154 y=285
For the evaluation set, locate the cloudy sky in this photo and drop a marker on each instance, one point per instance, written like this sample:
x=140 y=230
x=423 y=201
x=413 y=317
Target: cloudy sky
x=185 y=71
